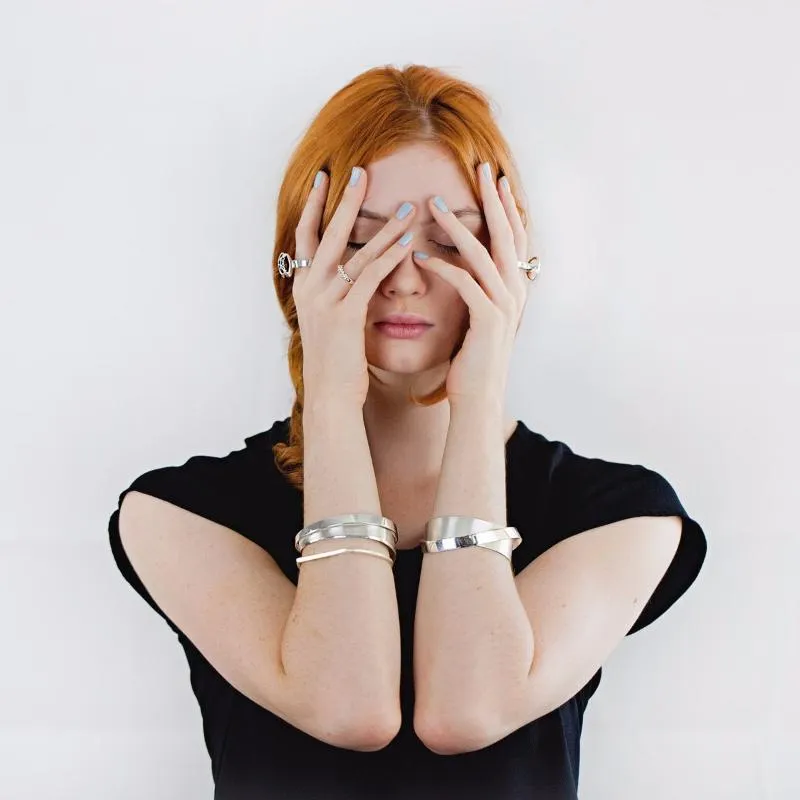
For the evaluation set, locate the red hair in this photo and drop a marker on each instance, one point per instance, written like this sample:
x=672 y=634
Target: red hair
x=378 y=112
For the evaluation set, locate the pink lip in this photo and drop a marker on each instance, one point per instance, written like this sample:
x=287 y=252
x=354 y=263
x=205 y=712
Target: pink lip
x=402 y=331
x=405 y=319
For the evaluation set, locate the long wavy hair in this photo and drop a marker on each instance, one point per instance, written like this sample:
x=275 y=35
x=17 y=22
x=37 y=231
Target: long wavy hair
x=375 y=114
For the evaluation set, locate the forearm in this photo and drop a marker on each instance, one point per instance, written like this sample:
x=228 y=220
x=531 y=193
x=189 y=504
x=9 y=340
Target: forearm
x=473 y=642
x=342 y=638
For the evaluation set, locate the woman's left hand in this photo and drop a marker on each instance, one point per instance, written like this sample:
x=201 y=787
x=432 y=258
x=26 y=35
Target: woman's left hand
x=496 y=300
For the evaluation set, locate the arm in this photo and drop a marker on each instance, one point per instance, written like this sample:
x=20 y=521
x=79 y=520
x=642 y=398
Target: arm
x=343 y=634
x=480 y=672
x=473 y=644
x=323 y=656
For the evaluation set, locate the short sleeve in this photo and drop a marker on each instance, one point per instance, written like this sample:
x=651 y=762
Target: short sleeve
x=218 y=488
x=586 y=493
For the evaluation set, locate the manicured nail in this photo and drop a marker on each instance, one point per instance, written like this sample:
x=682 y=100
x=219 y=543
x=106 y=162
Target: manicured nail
x=440 y=204
x=487 y=170
x=355 y=175
x=404 y=210
x=419 y=254
x=318 y=178
x=405 y=238
x=506 y=184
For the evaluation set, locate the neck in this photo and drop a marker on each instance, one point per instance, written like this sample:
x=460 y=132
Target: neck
x=407 y=441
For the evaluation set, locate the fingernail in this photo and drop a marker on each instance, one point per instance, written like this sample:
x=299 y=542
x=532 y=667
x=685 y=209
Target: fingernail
x=318 y=178
x=440 y=204
x=506 y=184
x=404 y=211
x=355 y=175
x=487 y=170
x=405 y=238
x=419 y=254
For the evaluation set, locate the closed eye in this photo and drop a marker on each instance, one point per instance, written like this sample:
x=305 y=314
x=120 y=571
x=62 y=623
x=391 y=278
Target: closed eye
x=444 y=248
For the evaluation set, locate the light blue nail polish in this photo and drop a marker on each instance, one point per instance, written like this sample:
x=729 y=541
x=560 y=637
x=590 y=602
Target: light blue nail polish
x=440 y=204
x=404 y=211
x=405 y=238
x=355 y=175
x=318 y=178
x=420 y=254
x=487 y=170
x=506 y=184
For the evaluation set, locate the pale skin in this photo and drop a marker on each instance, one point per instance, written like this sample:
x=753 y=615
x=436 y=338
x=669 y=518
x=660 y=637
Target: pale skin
x=492 y=650
x=407 y=442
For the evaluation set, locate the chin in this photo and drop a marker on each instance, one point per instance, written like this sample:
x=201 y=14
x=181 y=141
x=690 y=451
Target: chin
x=410 y=357
x=384 y=364
x=402 y=364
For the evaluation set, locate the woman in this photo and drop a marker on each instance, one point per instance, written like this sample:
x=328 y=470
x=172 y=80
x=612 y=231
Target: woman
x=348 y=631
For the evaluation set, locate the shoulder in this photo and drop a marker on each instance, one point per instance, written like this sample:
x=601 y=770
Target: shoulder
x=231 y=489
x=574 y=489
x=556 y=492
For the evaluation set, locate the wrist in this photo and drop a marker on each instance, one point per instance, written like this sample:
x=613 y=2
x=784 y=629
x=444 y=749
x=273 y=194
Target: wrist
x=476 y=408
x=329 y=406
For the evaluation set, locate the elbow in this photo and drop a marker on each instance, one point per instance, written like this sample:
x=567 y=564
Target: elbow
x=449 y=737
x=365 y=733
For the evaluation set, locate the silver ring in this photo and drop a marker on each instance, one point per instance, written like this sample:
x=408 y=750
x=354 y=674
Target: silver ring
x=531 y=267
x=287 y=264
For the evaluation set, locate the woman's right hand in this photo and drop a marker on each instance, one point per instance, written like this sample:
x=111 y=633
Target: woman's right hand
x=331 y=312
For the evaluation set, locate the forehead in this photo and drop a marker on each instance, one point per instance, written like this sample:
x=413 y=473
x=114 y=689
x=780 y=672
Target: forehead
x=415 y=173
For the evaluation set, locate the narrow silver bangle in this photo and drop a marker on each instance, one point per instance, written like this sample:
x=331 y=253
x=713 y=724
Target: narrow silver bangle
x=339 y=552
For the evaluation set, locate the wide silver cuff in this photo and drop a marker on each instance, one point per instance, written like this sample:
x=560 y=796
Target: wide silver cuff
x=451 y=532
x=361 y=526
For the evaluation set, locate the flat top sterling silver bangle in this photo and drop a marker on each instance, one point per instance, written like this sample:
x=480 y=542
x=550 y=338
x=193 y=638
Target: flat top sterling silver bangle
x=344 y=519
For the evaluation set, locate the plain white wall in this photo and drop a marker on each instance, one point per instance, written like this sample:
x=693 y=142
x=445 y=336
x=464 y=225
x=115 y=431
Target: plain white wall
x=142 y=147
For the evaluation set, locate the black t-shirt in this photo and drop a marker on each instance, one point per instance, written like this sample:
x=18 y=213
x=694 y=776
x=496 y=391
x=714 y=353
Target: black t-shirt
x=552 y=493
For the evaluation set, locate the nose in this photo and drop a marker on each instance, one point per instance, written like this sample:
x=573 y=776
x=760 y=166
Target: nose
x=406 y=278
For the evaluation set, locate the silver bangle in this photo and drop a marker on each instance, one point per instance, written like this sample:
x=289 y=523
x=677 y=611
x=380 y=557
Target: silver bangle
x=472 y=539
x=374 y=532
x=502 y=546
x=339 y=552
x=452 y=532
x=449 y=526
x=356 y=520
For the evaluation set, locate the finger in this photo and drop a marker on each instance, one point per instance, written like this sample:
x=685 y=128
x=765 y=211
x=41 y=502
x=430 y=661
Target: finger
x=474 y=253
x=358 y=294
x=334 y=239
x=379 y=242
x=514 y=219
x=504 y=253
x=497 y=219
x=306 y=234
x=480 y=306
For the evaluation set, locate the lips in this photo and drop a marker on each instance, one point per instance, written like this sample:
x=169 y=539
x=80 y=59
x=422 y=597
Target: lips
x=404 y=319
x=395 y=331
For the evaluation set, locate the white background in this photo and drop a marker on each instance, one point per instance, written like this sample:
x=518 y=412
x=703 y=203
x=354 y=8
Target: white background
x=142 y=148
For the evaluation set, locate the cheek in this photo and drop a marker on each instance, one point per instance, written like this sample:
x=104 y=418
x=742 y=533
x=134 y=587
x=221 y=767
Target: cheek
x=459 y=314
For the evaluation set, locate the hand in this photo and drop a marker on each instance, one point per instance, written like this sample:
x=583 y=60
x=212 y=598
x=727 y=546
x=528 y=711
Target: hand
x=496 y=300
x=332 y=313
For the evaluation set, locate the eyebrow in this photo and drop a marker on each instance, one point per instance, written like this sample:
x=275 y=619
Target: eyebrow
x=458 y=212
